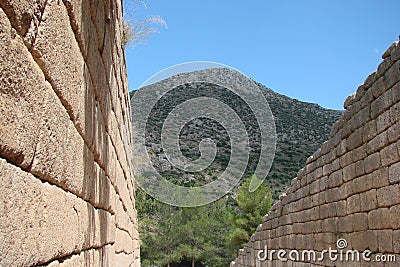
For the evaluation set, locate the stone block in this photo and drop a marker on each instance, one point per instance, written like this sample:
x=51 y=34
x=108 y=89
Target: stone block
x=393 y=132
x=122 y=259
x=389 y=155
x=359 y=222
x=361 y=118
x=380 y=177
x=56 y=50
x=367 y=98
x=388 y=196
x=37 y=217
x=395 y=93
x=23 y=14
x=340 y=208
x=394 y=112
x=353 y=204
x=394 y=217
x=335 y=179
x=364 y=240
x=376 y=144
x=99 y=81
x=360 y=153
x=330 y=225
x=62 y=164
x=122 y=219
x=124 y=242
x=370 y=131
x=82 y=25
x=379 y=219
x=359 y=168
x=97 y=10
x=394 y=173
x=383 y=121
x=372 y=162
x=392 y=75
x=385 y=241
x=355 y=139
x=101 y=143
x=315 y=187
x=378 y=87
x=368 y=200
x=396 y=240
x=349 y=172
x=23 y=95
x=362 y=184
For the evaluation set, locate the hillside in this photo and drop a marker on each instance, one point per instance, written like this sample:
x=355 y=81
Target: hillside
x=301 y=128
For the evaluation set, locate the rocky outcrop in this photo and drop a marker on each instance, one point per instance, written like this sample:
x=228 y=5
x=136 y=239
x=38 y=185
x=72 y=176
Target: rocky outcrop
x=67 y=188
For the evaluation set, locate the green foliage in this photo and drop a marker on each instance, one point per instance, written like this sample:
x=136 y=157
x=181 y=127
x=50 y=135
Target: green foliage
x=170 y=234
x=252 y=208
x=210 y=234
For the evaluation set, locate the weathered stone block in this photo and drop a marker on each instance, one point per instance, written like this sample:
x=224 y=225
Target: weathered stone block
x=378 y=87
x=41 y=214
x=393 y=132
x=368 y=200
x=62 y=164
x=97 y=10
x=124 y=242
x=388 y=196
x=340 y=208
x=376 y=144
x=24 y=15
x=394 y=217
x=370 y=131
x=380 y=177
x=385 y=241
x=389 y=155
x=362 y=184
x=359 y=222
x=23 y=94
x=364 y=240
x=355 y=139
x=394 y=113
x=396 y=240
x=372 y=162
x=61 y=59
x=335 y=179
x=82 y=25
x=383 y=121
x=349 y=172
x=353 y=204
x=392 y=76
x=379 y=219
x=394 y=173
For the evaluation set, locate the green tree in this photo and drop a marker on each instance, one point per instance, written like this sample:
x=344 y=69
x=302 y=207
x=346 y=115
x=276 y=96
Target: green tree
x=252 y=207
x=157 y=223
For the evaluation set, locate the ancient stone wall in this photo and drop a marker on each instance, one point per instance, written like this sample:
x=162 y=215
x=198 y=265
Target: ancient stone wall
x=66 y=183
x=349 y=188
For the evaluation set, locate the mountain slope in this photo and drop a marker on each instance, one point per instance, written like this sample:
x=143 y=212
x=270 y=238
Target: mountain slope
x=301 y=128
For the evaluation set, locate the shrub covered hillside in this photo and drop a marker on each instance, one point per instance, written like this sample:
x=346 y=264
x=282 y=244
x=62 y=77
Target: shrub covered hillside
x=301 y=128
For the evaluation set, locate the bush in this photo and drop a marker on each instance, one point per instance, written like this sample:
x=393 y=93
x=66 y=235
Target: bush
x=135 y=31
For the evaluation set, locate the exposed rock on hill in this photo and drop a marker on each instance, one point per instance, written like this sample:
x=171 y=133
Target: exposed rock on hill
x=301 y=128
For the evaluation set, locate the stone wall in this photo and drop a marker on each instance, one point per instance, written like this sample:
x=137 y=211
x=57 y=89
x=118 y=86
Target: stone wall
x=66 y=183
x=349 y=188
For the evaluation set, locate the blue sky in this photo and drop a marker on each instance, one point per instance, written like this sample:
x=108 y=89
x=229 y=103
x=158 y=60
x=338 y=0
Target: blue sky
x=317 y=51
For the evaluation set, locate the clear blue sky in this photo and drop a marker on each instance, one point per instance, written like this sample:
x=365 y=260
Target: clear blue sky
x=317 y=51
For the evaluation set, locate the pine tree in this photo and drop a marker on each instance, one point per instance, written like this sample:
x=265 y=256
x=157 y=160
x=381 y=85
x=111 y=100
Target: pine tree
x=253 y=206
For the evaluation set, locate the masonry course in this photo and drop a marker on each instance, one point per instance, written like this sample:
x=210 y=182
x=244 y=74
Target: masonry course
x=65 y=164
x=349 y=188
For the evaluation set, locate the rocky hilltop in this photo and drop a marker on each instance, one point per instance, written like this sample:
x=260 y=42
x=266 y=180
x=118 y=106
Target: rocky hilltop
x=301 y=128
